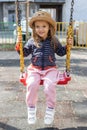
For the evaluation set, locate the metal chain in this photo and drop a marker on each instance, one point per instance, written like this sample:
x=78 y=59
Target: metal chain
x=19 y=31
x=69 y=35
x=18 y=14
x=71 y=11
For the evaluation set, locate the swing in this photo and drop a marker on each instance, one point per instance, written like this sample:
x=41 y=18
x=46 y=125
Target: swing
x=64 y=77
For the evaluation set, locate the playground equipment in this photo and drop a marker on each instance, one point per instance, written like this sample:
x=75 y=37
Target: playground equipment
x=64 y=77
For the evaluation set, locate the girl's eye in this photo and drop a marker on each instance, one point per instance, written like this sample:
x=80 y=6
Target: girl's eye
x=40 y=27
x=37 y=26
x=44 y=26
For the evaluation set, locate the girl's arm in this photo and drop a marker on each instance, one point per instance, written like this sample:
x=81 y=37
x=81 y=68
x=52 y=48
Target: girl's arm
x=61 y=50
x=27 y=49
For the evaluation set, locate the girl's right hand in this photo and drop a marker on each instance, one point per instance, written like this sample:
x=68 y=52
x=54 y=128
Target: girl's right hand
x=17 y=46
x=19 y=40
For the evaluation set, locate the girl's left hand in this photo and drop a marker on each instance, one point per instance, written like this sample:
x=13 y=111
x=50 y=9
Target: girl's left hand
x=70 y=42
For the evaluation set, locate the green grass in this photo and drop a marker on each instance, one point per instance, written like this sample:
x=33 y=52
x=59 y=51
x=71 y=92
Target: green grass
x=6 y=47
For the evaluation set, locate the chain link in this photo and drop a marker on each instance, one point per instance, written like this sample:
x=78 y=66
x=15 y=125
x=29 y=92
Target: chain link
x=71 y=11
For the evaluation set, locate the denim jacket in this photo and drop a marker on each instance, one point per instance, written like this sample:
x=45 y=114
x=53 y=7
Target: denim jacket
x=44 y=55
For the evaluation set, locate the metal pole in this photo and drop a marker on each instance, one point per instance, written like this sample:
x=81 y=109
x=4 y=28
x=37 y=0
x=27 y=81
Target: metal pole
x=16 y=13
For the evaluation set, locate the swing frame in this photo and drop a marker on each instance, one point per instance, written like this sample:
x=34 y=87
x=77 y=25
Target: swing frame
x=64 y=77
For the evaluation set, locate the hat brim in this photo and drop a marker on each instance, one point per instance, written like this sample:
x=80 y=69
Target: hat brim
x=49 y=20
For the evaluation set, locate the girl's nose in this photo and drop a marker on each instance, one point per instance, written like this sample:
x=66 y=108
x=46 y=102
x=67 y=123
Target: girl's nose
x=40 y=28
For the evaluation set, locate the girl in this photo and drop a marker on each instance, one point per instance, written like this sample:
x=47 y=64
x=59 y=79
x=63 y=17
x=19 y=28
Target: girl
x=42 y=46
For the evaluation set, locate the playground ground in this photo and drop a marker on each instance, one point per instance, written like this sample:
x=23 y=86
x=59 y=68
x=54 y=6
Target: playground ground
x=71 y=107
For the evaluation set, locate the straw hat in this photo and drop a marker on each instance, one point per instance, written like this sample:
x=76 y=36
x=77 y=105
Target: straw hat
x=42 y=15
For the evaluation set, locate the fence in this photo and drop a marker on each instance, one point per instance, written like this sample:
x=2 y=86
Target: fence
x=79 y=33
x=8 y=33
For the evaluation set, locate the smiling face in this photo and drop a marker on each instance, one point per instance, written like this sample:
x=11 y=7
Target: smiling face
x=42 y=29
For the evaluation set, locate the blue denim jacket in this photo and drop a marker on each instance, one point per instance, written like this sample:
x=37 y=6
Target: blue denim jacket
x=44 y=55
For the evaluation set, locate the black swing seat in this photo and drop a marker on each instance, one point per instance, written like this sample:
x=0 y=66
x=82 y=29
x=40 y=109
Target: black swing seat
x=63 y=79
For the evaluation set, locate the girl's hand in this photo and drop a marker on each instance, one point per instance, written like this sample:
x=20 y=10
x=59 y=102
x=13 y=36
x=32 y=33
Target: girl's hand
x=17 y=46
x=19 y=40
x=70 y=42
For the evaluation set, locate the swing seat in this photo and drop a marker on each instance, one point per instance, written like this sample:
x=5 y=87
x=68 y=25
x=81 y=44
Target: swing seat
x=63 y=79
x=23 y=78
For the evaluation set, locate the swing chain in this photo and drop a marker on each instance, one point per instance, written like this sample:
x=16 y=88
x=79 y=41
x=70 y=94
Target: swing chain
x=71 y=14
x=69 y=35
x=18 y=14
x=19 y=31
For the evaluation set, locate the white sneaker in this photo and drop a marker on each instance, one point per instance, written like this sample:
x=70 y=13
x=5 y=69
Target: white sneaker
x=31 y=115
x=49 y=116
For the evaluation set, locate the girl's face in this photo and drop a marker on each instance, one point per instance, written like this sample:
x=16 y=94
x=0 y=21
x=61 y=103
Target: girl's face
x=41 y=29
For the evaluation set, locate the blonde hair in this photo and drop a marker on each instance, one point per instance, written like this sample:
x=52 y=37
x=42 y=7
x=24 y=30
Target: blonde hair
x=51 y=36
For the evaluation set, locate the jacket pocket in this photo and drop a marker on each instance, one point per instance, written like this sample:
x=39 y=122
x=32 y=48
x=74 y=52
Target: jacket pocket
x=50 y=59
x=34 y=59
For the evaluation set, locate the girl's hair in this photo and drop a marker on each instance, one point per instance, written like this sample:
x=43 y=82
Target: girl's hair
x=51 y=36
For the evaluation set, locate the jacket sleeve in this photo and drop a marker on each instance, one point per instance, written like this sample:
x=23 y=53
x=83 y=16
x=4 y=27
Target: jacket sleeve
x=27 y=49
x=60 y=50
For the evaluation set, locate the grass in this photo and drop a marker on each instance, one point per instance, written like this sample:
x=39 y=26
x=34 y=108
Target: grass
x=7 y=47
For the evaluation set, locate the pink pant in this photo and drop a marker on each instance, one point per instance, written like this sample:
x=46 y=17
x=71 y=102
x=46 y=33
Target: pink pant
x=50 y=78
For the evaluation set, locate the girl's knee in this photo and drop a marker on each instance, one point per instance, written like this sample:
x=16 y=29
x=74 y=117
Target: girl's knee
x=33 y=85
x=50 y=87
x=48 y=83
